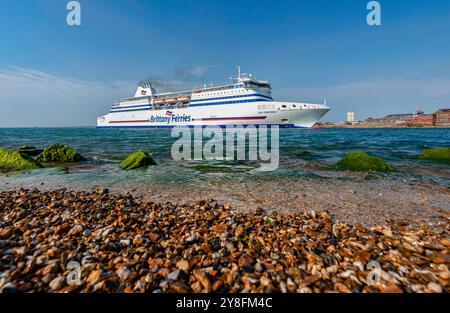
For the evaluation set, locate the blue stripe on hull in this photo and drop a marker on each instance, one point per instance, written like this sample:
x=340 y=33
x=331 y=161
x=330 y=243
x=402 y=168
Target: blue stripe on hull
x=131 y=106
x=233 y=97
x=130 y=110
x=192 y=105
x=191 y=126
x=226 y=102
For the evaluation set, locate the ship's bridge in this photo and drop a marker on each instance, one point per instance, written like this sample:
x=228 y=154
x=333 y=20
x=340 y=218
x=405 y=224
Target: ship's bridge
x=247 y=82
x=260 y=87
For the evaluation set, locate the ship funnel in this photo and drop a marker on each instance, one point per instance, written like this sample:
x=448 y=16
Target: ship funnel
x=145 y=89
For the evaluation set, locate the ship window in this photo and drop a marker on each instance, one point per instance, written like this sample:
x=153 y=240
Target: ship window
x=283 y=106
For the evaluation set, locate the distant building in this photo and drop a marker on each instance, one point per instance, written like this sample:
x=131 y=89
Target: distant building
x=442 y=117
x=388 y=121
x=416 y=119
x=350 y=117
x=422 y=120
x=419 y=111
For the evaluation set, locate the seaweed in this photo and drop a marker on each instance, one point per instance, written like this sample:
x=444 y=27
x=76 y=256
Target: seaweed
x=137 y=159
x=360 y=161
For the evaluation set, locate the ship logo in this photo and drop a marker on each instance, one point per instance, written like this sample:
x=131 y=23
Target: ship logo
x=169 y=113
x=143 y=92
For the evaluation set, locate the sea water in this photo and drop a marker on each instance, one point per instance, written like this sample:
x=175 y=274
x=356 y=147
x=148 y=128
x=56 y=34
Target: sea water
x=304 y=154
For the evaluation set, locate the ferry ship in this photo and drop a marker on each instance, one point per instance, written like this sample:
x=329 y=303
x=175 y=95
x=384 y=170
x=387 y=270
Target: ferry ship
x=245 y=101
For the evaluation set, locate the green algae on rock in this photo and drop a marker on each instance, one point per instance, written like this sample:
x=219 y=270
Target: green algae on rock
x=15 y=161
x=136 y=160
x=29 y=150
x=304 y=154
x=439 y=155
x=59 y=153
x=359 y=161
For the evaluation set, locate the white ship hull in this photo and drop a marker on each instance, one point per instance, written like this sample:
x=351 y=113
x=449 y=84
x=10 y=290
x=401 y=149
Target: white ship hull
x=284 y=114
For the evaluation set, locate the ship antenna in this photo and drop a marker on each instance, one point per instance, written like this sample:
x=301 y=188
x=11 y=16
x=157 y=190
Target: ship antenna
x=239 y=71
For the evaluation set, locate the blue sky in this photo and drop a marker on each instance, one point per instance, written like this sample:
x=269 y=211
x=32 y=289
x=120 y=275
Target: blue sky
x=52 y=74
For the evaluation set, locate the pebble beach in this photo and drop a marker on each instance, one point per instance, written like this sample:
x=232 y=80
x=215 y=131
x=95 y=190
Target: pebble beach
x=125 y=245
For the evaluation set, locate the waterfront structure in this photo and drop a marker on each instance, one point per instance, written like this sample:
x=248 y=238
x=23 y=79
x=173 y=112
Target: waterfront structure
x=442 y=117
x=350 y=117
x=392 y=120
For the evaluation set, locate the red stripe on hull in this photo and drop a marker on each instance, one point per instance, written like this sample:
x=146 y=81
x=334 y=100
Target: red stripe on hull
x=231 y=118
x=249 y=118
x=138 y=121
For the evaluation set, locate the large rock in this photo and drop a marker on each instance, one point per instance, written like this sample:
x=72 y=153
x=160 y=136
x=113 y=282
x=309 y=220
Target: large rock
x=15 y=161
x=359 y=161
x=59 y=153
x=137 y=159
x=29 y=150
x=439 y=154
